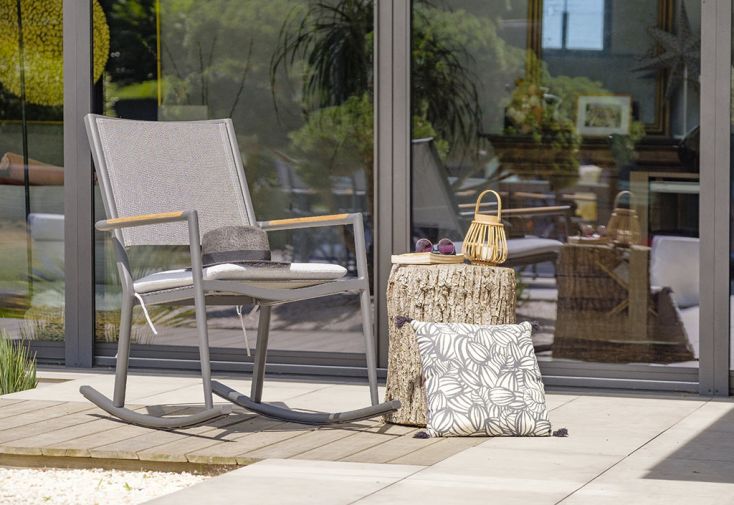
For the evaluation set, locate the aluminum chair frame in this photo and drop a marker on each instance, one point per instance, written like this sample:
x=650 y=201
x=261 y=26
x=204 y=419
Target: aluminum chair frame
x=224 y=292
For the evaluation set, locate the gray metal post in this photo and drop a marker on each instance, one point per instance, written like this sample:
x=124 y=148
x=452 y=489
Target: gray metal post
x=366 y=309
x=78 y=195
x=392 y=149
x=123 y=351
x=715 y=196
x=261 y=354
x=200 y=304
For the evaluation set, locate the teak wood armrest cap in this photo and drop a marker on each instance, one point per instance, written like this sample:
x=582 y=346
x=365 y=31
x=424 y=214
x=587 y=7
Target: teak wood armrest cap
x=140 y=220
x=310 y=221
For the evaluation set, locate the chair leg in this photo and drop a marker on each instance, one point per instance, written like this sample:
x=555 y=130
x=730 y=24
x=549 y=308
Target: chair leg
x=369 y=344
x=261 y=353
x=123 y=351
x=201 y=326
x=116 y=406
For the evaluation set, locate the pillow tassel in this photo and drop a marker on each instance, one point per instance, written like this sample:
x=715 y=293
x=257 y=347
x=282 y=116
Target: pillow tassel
x=401 y=321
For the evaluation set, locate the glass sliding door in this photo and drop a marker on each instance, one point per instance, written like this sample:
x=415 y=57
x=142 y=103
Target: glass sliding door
x=584 y=116
x=31 y=171
x=296 y=78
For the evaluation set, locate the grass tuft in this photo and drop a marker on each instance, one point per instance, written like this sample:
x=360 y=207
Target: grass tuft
x=17 y=366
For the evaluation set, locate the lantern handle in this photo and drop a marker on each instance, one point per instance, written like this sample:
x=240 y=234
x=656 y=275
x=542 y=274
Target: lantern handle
x=496 y=195
x=620 y=195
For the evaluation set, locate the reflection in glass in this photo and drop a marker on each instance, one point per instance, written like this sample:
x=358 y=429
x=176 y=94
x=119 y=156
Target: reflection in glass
x=296 y=78
x=731 y=225
x=584 y=116
x=31 y=170
x=574 y=24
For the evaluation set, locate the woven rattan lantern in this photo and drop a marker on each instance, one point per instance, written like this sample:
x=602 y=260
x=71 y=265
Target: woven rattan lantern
x=486 y=242
x=624 y=224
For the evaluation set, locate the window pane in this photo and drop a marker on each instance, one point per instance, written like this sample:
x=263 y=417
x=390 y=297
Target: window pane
x=573 y=24
x=553 y=24
x=585 y=24
x=304 y=129
x=564 y=136
x=31 y=171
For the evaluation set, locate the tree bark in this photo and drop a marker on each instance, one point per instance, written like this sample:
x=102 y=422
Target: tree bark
x=460 y=293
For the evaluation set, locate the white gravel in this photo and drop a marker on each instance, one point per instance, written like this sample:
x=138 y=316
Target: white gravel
x=31 y=486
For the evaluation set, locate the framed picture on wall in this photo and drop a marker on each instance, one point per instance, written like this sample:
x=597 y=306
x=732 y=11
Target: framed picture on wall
x=600 y=116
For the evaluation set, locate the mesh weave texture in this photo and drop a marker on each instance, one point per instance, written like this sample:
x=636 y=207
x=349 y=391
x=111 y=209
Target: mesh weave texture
x=158 y=167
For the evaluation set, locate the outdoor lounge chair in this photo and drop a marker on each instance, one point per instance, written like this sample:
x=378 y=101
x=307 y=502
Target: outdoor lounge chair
x=168 y=183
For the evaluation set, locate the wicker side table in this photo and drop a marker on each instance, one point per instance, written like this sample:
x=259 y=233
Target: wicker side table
x=459 y=293
x=607 y=311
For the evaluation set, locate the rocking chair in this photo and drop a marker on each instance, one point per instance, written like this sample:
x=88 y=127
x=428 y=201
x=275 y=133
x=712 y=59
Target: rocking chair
x=168 y=183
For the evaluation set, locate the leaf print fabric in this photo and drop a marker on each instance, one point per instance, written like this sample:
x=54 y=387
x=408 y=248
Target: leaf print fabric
x=481 y=380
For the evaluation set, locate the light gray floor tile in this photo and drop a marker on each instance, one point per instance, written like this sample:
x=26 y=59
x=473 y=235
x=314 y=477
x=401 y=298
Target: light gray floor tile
x=285 y=482
x=605 y=425
x=646 y=480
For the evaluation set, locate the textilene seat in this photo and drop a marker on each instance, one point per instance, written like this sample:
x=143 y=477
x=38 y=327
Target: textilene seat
x=297 y=275
x=147 y=171
x=533 y=246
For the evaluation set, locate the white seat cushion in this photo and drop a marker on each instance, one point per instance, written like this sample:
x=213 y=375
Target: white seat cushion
x=674 y=264
x=296 y=275
x=46 y=226
x=526 y=246
x=530 y=246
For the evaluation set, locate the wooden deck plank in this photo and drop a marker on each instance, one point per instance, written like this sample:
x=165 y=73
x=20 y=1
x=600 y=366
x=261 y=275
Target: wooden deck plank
x=6 y=402
x=130 y=447
x=39 y=421
x=79 y=429
x=345 y=447
x=116 y=431
x=234 y=451
x=22 y=408
x=32 y=430
x=444 y=448
x=59 y=442
x=297 y=445
x=391 y=450
x=225 y=450
x=175 y=450
x=219 y=436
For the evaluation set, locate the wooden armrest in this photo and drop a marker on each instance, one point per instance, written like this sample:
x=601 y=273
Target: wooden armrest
x=309 y=222
x=141 y=220
x=537 y=211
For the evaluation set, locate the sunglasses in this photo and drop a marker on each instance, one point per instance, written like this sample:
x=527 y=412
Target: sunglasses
x=444 y=246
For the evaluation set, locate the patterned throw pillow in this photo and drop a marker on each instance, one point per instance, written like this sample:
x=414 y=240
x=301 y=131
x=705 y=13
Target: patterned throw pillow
x=481 y=380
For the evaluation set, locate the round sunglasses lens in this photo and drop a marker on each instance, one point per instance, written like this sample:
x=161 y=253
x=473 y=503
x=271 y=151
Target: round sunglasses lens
x=445 y=246
x=423 y=245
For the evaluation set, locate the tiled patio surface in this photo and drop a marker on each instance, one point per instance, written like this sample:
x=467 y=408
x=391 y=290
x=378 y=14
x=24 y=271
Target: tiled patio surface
x=622 y=448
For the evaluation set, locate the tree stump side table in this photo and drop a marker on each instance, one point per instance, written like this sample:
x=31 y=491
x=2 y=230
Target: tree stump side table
x=457 y=293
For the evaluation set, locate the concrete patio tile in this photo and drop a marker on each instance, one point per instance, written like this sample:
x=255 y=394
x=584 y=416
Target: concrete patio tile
x=284 y=482
x=509 y=465
x=554 y=401
x=462 y=490
x=706 y=434
x=645 y=480
x=605 y=425
x=505 y=475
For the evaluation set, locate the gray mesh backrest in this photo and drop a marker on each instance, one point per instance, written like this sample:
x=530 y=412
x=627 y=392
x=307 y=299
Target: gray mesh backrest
x=433 y=201
x=148 y=167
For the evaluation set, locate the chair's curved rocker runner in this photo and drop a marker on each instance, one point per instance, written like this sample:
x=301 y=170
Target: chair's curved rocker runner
x=146 y=169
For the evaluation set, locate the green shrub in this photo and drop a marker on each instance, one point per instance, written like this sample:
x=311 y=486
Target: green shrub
x=17 y=366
